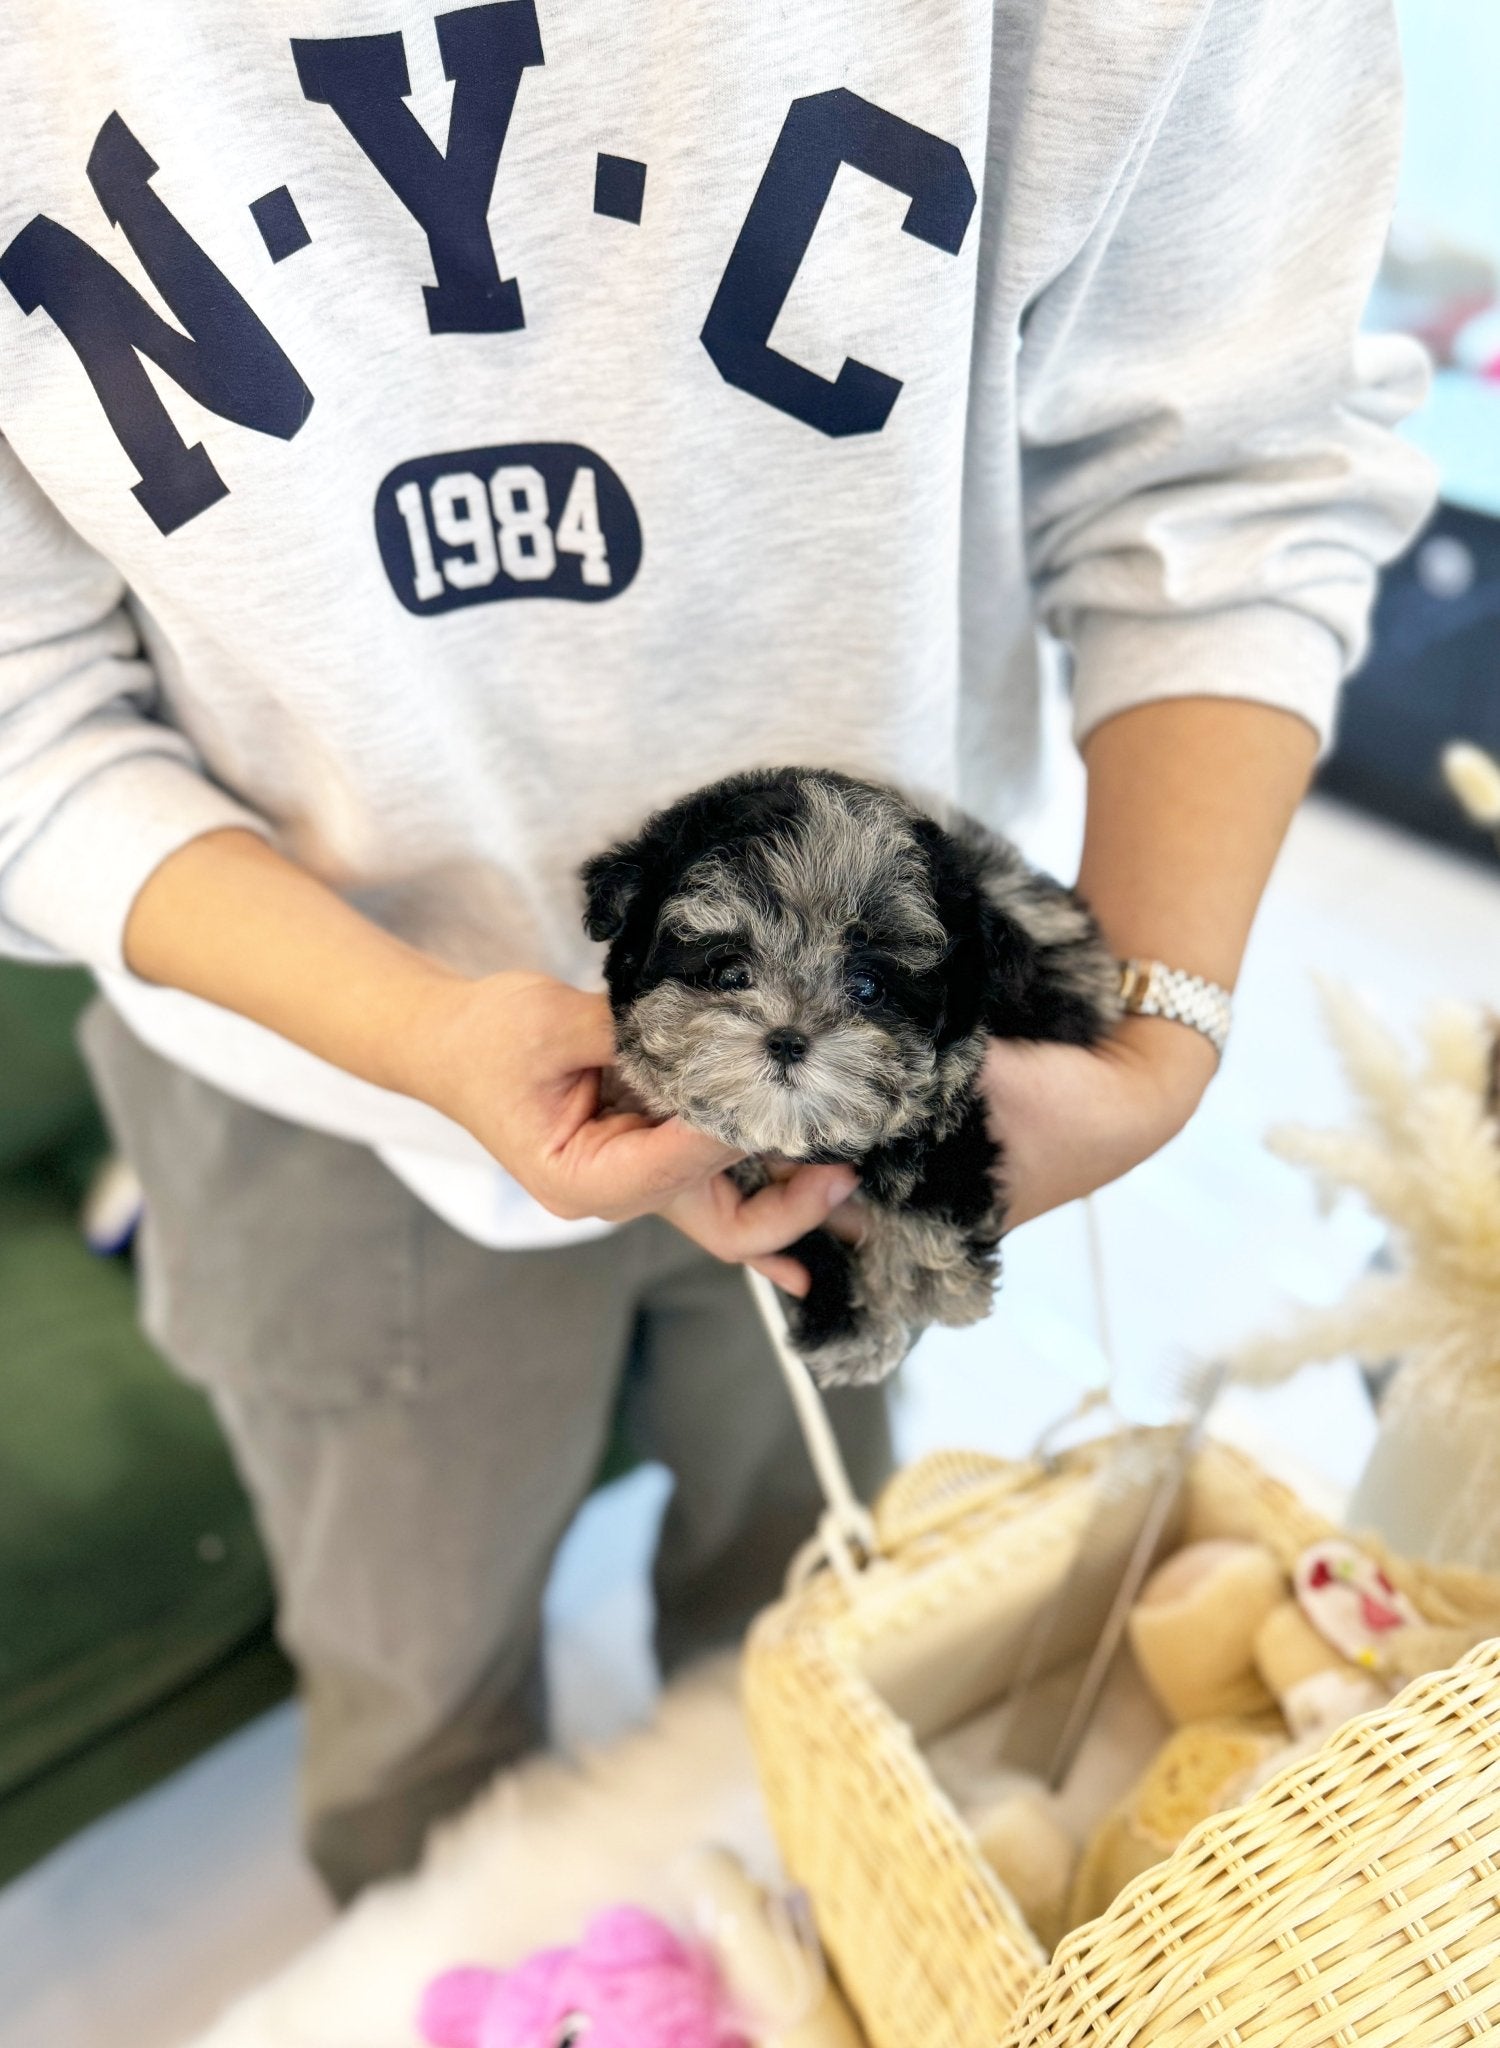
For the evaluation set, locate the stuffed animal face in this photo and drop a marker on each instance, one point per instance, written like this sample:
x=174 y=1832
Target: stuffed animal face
x=630 y=1983
x=805 y=966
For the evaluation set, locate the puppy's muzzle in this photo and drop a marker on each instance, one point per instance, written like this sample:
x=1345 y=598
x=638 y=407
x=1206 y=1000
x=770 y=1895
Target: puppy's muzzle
x=786 y=1049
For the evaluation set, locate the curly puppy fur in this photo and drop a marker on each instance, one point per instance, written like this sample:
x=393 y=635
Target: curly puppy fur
x=808 y=967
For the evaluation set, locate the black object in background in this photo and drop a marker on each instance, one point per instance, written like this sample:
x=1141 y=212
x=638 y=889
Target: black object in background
x=1433 y=676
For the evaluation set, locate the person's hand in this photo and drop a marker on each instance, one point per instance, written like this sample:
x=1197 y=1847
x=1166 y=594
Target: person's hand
x=1070 y=1120
x=520 y=1061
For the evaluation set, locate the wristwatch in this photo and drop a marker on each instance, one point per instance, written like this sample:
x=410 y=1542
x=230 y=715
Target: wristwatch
x=1149 y=988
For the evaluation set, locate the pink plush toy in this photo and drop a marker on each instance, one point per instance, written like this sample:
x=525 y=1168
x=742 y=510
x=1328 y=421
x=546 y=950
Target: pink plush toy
x=630 y=1983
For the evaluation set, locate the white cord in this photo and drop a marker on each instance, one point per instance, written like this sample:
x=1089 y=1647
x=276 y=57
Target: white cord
x=1098 y=1280
x=847 y=1530
x=846 y=1533
x=1093 y=1397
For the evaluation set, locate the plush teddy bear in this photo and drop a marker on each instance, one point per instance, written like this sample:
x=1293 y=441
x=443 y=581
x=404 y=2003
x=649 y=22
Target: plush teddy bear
x=630 y=1983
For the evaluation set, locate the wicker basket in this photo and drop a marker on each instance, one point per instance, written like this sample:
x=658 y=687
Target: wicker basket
x=1355 y=1899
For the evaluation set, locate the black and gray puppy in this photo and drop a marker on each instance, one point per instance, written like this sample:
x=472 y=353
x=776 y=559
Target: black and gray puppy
x=807 y=967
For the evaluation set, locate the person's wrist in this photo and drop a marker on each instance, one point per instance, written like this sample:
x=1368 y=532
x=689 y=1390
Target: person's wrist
x=427 y=1035
x=1170 y=1059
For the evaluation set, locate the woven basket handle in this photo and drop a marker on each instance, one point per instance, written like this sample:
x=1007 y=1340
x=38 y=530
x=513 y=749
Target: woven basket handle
x=846 y=1529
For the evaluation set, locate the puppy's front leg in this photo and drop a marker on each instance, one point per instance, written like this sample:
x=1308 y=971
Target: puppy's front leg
x=936 y=1259
x=825 y=1314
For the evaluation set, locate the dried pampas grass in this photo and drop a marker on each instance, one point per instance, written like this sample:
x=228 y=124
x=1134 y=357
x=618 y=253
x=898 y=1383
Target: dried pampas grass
x=1424 y=1151
x=1474 y=778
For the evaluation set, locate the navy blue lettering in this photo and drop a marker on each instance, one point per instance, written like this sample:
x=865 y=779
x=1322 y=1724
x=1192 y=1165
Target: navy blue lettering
x=282 y=227
x=619 y=187
x=226 y=360
x=820 y=133
x=365 y=81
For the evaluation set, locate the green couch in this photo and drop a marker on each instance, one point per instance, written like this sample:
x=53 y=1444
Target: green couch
x=135 y=1607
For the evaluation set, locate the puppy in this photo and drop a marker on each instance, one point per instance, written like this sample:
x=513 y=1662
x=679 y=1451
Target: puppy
x=808 y=967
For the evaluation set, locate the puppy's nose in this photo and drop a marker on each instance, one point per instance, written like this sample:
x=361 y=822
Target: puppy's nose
x=786 y=1047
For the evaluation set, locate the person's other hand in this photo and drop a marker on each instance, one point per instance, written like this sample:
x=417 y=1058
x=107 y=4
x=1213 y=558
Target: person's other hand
x=520 y=1061
x=1070 y=1120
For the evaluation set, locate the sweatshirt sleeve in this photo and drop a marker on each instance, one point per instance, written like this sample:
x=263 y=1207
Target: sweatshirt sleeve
x=95 y=788
x=1211 y=472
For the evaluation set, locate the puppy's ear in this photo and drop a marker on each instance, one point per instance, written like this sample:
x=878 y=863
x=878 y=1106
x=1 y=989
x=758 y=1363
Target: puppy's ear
x=954 y=876
x=623 y=889
x=1026 y=959
x=628 y=876
x=611 y=882
x=1049 y=973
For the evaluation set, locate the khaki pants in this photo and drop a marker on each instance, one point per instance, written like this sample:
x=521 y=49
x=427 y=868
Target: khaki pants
x=418 y=1418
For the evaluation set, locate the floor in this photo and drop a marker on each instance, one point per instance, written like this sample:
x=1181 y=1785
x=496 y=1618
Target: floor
x=136 y=1933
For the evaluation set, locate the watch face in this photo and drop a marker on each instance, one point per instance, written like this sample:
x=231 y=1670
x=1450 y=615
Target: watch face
x=1137 y=980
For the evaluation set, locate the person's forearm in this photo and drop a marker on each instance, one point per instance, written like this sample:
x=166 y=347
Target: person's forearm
x=228 y=919
x=1189 y=799
x=513 y=1057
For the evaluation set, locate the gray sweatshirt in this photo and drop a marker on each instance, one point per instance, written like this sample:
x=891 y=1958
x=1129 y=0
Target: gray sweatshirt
x=434 y=440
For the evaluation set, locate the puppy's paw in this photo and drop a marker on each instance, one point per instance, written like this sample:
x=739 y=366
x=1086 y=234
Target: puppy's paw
x=866 y=1354
x=826 y=1313
x=750 y=1175
x=919 y=1268
x=955 y=1291
x=832 y=1328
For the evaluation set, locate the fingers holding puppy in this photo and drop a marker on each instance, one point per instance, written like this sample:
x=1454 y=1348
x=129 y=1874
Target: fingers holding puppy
x=755 y=1229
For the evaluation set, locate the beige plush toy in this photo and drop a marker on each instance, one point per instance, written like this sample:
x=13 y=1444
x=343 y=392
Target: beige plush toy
x=1316 y=1688
x=1201 y=1769
x=772 y=1969
x=1194 y=1626
x=1234 y=1658
x=1031 y=1853
x=1287 y=1649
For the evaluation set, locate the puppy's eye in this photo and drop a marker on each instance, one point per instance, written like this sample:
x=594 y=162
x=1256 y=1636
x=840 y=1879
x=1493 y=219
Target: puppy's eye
x=730 y=975
x=864 y=988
